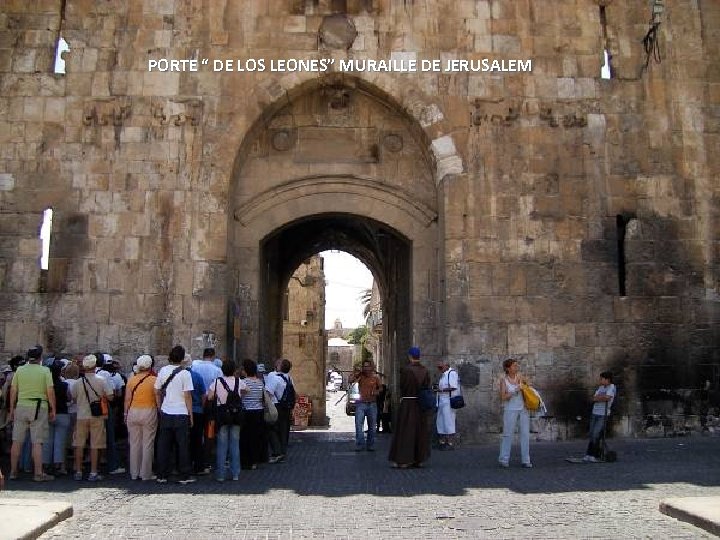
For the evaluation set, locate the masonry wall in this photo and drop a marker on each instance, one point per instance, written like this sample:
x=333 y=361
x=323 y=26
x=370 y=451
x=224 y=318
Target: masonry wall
x=532 y=172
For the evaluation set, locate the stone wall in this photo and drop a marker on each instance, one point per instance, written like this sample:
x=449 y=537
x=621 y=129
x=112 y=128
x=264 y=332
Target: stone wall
x=540 y=178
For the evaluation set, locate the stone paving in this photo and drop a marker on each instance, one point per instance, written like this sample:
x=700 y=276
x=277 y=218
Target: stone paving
x=326 y=490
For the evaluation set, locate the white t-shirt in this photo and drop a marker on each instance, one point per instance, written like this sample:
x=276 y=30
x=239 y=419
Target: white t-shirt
x=449 y=379
x=275 y=385
x=599 y=406
x=174 y=402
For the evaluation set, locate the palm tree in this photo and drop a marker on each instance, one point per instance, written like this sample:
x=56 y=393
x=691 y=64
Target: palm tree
x=365 y=298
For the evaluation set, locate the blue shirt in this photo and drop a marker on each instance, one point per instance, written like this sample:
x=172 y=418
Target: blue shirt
x=198 y=391
x=207 y=370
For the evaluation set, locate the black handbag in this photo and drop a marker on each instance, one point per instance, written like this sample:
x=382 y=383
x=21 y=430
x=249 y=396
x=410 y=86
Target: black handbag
x=456 y=402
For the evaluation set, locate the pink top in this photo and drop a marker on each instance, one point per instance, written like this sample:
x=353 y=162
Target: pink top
x=218 y=387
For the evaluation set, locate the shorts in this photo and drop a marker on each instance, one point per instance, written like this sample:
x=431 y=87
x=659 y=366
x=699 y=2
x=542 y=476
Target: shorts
x=95 y=427
x=25 y=419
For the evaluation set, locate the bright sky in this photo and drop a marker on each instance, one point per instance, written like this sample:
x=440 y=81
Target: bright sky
x=346 y=279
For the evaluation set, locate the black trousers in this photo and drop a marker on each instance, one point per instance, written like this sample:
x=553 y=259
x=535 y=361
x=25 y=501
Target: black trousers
x=197 y=443
x=279 y=432
x=173 y=432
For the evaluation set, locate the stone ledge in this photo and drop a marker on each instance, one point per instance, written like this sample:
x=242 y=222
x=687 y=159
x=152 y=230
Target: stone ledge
x=29 y=518
x=703 y=512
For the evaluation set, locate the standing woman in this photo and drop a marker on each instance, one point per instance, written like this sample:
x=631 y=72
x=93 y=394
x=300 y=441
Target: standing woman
x=410 y=445
x=514 y=408
x=253 y=436
x=141 y=419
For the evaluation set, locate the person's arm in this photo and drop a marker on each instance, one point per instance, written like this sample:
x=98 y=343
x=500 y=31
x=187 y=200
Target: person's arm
x=13 y=401
x=126 y=405
x=51 y=403
x=602 y=397
x=505 y=394
x=188 y=404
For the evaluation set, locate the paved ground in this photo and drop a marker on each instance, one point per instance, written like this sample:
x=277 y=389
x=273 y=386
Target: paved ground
x=326 y=490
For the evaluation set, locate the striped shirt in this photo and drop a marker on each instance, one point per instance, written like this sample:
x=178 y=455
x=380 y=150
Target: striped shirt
x=253 y=400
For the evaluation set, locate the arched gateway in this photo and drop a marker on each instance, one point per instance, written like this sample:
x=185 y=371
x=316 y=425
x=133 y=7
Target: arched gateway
x=336 y=167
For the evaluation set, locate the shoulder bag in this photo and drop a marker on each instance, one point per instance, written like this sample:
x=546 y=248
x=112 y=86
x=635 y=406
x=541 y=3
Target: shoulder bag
x=98 y=407
x=456 y=402
x=530 y=397
x=270 y=412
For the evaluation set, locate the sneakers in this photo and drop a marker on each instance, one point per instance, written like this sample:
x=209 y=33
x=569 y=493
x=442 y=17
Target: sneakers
x=236 y=478
x=188 y=480
x=590 y=459
x=94 y=477
x=161 y=480
x=77 y=476
x=119 y=470
x=504 y=464
x=274 y=459
x=43 y=477
x=527 y=465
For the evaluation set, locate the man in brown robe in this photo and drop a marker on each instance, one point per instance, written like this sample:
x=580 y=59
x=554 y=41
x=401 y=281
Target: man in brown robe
x=410 y=445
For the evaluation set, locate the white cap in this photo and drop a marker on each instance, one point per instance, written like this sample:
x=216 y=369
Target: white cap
x=144 y=361
x=90 y=361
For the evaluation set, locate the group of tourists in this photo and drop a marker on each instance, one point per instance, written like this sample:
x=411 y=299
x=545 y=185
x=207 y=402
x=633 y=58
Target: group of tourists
x=175 y=418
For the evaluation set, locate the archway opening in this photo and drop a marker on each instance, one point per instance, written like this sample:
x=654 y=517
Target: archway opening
x=385 y=252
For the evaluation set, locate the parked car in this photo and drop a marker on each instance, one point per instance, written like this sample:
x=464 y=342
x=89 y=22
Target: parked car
x=353 y=396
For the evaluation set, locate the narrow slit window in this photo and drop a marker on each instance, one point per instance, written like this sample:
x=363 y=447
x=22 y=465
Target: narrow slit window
x=62 y=48
x=45 y=233
x=621 y=223
x=606 y=71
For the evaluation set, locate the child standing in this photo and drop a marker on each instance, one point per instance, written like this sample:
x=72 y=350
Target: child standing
x=602 y=402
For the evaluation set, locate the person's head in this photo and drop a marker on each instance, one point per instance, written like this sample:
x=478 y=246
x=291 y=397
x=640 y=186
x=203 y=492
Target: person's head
x=71 y=371
x=143 y=363
x=606 y=377
x=56 y=370
x=209 y=353
x=108 y=364
x=228 y=368
x=368 y=367
x=89 y=363
x=34 y=355
x=16 y=361
x=443 y=365
x=285 y=365
x=177 y=355
x=414 y=353
x=249 y=367
x=187 y=361
x=510 y=366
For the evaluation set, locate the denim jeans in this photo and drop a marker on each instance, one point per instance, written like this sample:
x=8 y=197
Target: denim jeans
x=55 y=447
x=363 y=409
x=510 y=420
x=597 y=422
x=173 y=431
x=228 y=439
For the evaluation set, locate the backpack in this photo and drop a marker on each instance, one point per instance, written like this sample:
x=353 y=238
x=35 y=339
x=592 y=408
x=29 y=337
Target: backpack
x=287 y=400
x=232 y=412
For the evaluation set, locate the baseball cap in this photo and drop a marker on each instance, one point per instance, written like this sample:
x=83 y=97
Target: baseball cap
x=414 y=352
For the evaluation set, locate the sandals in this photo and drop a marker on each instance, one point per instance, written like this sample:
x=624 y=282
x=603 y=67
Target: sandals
x=43 y=477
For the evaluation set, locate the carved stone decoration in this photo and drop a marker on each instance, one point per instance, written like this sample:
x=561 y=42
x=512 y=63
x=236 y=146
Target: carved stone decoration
x=282 y=140
x=337 y=32
x=392 y=142
x=106 y=112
